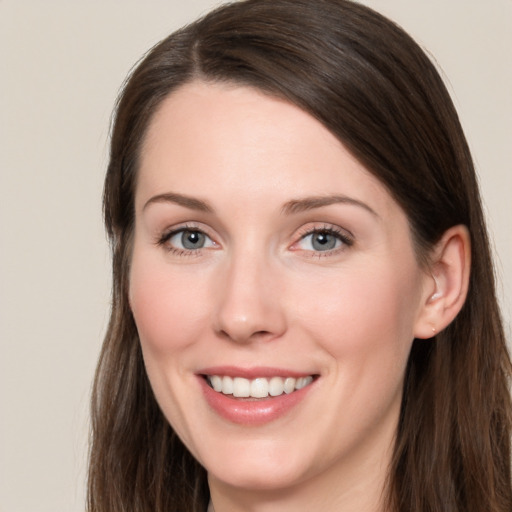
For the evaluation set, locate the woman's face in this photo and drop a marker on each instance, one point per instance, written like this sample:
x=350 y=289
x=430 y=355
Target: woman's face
x=268 y=261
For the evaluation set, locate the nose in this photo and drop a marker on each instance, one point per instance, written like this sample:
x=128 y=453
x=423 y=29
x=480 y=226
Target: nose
x=248 y=305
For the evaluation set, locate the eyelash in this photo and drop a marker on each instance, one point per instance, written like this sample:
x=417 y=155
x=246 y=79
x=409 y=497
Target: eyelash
x=163 y=241
x=346 y=240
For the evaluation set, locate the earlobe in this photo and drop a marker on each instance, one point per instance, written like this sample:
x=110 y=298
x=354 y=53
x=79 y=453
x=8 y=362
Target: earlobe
x=447 y=285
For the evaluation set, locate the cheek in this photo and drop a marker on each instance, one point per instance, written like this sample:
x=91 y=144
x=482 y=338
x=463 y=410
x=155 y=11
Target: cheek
x=363 y=312
x=168 y=309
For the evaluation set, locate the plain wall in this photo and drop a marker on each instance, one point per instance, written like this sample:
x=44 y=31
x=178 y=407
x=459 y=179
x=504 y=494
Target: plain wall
x=62 y=64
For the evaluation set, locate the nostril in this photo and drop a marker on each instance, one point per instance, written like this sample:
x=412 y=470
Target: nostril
x=241 y=336
x=261 y=333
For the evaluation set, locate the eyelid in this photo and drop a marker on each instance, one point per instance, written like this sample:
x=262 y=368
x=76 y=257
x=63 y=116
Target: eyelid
x=164 y=237
x=346 y=237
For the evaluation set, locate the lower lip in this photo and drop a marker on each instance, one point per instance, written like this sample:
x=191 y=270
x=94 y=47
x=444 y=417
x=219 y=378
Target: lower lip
x=251 y=412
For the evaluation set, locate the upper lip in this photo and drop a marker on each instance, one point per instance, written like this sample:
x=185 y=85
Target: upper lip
x=252 y=372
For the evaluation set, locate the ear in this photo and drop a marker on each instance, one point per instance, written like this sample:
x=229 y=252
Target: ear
x=446 y=285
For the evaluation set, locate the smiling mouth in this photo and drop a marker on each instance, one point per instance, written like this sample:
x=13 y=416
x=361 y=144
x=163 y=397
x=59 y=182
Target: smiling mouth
x=261 y=387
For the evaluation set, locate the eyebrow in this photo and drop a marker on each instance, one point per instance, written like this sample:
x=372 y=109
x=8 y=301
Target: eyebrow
x=182 y=200
x=310 y=203
x=289 y=208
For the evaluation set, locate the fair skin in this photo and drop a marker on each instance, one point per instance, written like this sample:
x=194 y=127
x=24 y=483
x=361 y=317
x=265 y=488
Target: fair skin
x=262 y=248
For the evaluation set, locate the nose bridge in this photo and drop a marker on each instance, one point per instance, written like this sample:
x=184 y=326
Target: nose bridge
x=248 y=305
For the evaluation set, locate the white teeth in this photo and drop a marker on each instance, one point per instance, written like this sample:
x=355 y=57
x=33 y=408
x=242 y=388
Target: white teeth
x=289 y=385
x=303 y=382
x=241 y=387
x=257 y=388
x=216 y=382
x=227 y=385
x=275 y=386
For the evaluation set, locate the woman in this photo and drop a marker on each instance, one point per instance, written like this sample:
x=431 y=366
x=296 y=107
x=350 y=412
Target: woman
x=304 y=314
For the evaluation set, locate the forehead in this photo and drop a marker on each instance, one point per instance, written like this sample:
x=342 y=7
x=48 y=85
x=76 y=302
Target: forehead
x=231 y=142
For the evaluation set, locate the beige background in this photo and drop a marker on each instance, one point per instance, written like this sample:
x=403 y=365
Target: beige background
x=61 y=66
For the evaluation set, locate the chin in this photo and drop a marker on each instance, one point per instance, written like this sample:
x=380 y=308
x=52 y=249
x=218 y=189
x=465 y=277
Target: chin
x=258 y=481
x=268 y=473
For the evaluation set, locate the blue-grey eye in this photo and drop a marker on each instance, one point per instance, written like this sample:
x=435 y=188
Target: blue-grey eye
x=190 y=240
x=323 y=241
x=319 y=241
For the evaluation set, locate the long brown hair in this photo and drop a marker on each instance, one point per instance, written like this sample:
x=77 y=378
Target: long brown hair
x=367 y=81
